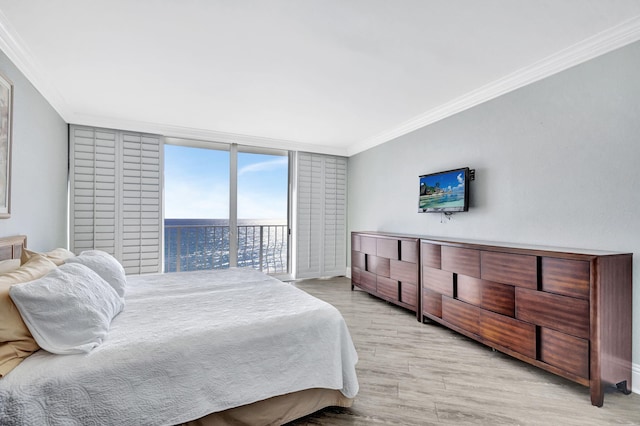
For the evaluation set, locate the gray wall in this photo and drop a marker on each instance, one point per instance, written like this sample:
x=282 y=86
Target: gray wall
x=39 y=167
x=557 y=163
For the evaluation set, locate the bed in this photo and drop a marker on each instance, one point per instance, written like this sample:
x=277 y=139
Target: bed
x=208 y=347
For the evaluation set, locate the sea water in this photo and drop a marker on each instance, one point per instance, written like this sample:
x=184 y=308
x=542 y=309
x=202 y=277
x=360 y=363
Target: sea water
x=195 y=244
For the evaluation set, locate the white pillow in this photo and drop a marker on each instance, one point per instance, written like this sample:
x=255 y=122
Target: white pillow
x=69 y=310
x=104 y=265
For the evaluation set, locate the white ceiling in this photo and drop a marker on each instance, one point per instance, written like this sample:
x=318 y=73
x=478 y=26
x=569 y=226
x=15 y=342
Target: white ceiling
x=334 y=76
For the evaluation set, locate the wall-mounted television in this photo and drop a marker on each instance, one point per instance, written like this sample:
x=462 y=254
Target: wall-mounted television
x=444 y=192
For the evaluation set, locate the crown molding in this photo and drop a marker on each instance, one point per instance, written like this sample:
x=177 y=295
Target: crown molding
x=203 y=135
x=604 y=42
x=15 y=49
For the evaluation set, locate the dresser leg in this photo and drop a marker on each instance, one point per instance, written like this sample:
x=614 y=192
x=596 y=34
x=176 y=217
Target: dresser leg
x=623 y=387
x=597 y=394
x=597 y=391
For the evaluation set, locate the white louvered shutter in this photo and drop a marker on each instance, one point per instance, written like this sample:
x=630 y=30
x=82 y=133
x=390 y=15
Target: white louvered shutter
x=141 y=207
x=335 y=208
x=116 y=196
x=93 y=190
x=320 y=233
x=308 y=215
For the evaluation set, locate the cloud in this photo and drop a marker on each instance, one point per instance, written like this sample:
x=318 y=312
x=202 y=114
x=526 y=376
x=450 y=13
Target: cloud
x=265 y=166
x=460 y=178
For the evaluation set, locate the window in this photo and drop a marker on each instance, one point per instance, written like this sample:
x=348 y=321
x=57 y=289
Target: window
x=263 y=205
x=226 y=205
x=196 y=208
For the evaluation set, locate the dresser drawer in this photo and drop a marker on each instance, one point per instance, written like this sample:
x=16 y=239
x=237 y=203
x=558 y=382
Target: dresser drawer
x=367 y=281
x=461 y=261
x=409 y=251
x=508 y=332
x=461 y=314
x=387 y=247
x=355 y=242
x=378 y=265
x=404 y=271
x=515 y=269
x=387 y=288
x=368 y=245
x=430 y=255
x=409 y=294
x=567 y=314
x=437 y=280
x=495 y=297
x=431 y=302
x=357 y=259
x=566 y=277
x=566 y=352
x=355 y=275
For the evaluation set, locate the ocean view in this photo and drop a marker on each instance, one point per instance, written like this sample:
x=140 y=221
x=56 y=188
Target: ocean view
x=453 y=198
x=195 y=244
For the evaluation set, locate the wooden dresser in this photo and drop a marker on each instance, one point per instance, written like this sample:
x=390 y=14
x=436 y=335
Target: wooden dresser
x=387 y=267
x=565 y=311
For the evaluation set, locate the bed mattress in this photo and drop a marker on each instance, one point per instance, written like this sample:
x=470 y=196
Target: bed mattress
x=186 y=345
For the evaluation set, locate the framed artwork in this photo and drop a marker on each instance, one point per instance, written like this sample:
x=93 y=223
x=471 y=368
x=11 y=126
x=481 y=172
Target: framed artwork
x=6 y=106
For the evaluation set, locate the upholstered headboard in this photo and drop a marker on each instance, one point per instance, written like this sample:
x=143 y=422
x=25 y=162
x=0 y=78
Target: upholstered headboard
x=11 y=247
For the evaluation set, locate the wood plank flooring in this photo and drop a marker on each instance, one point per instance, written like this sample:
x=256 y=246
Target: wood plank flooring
x=425 y=374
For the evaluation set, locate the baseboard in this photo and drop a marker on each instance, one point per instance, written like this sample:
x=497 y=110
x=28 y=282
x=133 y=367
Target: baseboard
x=348 y=273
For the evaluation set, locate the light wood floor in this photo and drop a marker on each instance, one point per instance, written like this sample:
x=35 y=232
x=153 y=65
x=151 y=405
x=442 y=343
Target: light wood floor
x=425 y=374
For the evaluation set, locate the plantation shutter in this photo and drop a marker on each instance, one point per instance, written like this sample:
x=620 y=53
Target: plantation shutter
x=335 y=208
x=320 y=233
x=116 y=205
x=141 y=218
x=93 y=190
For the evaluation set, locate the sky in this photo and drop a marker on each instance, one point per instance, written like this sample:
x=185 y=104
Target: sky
x=447 y=180
x=196 y=184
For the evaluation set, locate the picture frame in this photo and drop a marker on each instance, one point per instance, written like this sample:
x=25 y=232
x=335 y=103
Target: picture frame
x=6 y=128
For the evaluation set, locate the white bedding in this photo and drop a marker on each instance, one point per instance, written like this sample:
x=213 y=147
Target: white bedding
x=187 y=345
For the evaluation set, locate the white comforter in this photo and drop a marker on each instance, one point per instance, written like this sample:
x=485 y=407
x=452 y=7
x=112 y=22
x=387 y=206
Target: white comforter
x=186 y=345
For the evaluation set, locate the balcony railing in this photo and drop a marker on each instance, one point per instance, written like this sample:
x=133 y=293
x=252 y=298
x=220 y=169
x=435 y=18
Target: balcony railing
x=197 y=247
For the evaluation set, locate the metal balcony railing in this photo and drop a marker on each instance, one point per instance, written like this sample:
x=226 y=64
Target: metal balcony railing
x=197 y=247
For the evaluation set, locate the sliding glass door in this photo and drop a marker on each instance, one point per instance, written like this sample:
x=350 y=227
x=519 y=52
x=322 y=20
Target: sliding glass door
x=226 y=205
x=196 y=208
x=263 y=231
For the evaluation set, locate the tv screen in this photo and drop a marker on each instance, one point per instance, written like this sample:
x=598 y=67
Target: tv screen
x=444 y=191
